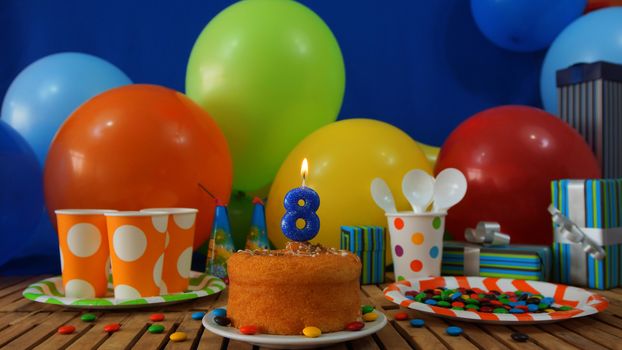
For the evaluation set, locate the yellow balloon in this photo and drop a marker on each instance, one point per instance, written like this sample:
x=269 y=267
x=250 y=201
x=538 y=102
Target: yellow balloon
x=344 y=157
x=431 y=152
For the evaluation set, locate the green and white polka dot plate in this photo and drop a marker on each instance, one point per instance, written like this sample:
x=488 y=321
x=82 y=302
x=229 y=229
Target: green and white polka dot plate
x=50 y=291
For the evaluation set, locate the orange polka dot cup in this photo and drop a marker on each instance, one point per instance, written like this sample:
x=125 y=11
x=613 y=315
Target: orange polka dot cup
x=177 y=248
x=84 y=256
x=136 y=240
x=416 y=243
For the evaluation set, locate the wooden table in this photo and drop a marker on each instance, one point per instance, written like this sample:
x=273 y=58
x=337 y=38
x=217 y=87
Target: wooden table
x=27 y=325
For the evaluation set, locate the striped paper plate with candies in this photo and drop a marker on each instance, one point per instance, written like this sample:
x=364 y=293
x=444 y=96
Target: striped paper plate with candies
x=495 y=300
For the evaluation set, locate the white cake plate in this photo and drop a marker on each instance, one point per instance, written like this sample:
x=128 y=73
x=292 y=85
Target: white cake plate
x=294 y=341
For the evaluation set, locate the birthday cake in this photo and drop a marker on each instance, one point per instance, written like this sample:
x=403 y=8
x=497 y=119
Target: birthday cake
x=284 y=291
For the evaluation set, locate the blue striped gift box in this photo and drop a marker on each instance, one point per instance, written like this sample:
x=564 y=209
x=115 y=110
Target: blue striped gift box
x=368 y=243
x=595 y=205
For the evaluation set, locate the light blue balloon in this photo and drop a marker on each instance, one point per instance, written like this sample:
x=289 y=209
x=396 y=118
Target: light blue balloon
x=46 y=92
x=594 y=37
x=524 y=25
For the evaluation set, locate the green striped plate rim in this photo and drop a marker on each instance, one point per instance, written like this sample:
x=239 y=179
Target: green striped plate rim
x=50 y=291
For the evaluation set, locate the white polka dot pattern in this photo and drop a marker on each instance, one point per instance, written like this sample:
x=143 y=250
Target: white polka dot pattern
x=83 y=239
x=123 y=291
x=160 y=222
x=78 y=288
x=129 y=243
x=184 y=221
x=183 y=262
x=157 y=271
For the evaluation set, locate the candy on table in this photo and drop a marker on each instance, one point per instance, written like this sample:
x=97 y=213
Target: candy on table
x=477 y=300
x=355 y=326
x=66 y=329
x=520 y=337
x=112 y=327
x=454 y=331
x=365 y=309
x=178 y=336
x=401 y=316
x=222 y=321
x=311 y=332
x=417 y=322
x=156 y=317
x=155 y=328
x=88 y=317
x=198 y=315
x=248 y=330
x=219 y=312
x=370 y=316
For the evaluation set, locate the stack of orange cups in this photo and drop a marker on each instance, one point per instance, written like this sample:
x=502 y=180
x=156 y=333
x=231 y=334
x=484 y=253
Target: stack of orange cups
x=136 y=241
x=177 y=248
x=84 y=254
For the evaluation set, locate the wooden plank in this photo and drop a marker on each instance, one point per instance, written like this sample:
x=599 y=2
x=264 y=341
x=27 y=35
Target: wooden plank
x=480 y=338
x=416 y=337
x=365 y=343
x=504 y=335
x=15 y=331
x=587 y=328
x=62 y=341
x=544 y=339
x=95 y=335
x=571 y=337
x=194 y=330
x=44 y=330
x=211 y=341
x=238 y=345
x=391 y=339
x=156 y=341
x=22 y=304
x=131 y=330
x=9 y=299
x=7 y=281
x=609 y=319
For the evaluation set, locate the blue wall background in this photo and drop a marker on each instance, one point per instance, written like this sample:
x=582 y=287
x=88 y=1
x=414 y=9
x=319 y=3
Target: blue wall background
x=420 y=65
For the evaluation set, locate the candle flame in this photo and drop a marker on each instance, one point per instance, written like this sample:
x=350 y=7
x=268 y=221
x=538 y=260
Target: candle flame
x=304 y=170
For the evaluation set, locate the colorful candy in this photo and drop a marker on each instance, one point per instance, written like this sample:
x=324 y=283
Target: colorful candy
x=156 y=317
x=366 y=309
x=112 y=327
x=222 y=321
x=401 y=316
x=417 y=322
x=155 y=328
x=248 y=330
x=369 y=317
x=311 y=332
x=520 y=337
x=198 y=315
x=66 y=329
x=477 y=300
x=88 y=317
x=454 y=331
x=355 y=326
x=219 y=312
x=178 y=336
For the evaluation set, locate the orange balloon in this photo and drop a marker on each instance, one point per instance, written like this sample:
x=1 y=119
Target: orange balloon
x=139 y=146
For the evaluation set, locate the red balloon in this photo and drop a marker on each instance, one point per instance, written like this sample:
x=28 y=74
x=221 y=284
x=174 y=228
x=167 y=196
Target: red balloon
x=509 y=155
x=139 y=146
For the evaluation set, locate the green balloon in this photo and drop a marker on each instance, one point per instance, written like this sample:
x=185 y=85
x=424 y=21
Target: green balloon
x=269 y=72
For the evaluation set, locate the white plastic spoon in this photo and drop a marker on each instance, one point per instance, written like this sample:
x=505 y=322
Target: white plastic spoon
x=418 y=188
x=381 y=193
x=449 y=189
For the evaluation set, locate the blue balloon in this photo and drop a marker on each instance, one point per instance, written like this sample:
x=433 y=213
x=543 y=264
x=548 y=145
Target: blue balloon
x=21 y=192
x=46 y=92
x=524 y=25
x=594 y=37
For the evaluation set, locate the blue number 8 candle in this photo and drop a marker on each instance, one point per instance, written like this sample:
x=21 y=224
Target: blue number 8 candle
x=301 y=203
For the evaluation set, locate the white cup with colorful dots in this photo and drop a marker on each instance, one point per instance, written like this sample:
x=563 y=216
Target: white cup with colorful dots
x=416 y=243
